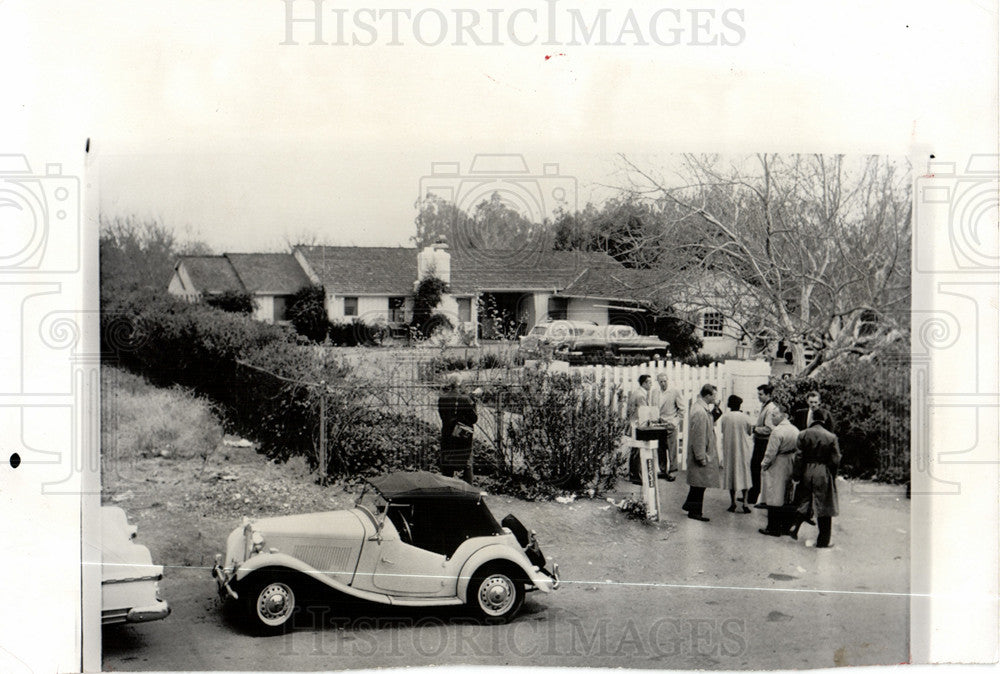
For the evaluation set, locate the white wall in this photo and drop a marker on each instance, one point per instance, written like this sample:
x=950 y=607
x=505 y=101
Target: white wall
x=371 y=308
x=719 y=346
x=540 y=309
x=449 y=307
x=578 y=309
x=264 y=308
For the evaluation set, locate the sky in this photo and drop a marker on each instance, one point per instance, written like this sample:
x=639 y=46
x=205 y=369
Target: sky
x=243 y=201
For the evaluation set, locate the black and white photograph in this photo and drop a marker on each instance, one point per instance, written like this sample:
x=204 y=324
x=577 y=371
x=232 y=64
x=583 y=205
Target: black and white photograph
x=658 y=425
x=544 y=335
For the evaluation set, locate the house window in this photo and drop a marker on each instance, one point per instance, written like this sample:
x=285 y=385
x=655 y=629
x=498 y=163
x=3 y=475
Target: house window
x=281 y=307
x=397 y=309
x=350 y=306
x=464 y=309
x=558 y=308
x=712 y=323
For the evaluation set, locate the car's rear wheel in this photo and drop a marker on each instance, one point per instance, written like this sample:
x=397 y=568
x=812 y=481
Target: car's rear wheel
x=495 y=593
x=269 y=602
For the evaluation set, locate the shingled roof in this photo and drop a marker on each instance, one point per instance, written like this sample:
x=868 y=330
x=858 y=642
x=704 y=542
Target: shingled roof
x=269 y=273
x=638 y=285
x=498 y=270
x=363 y=270
x=211 y=274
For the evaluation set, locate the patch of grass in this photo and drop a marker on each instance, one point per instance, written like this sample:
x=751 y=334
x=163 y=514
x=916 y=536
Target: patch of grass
x=139 y=420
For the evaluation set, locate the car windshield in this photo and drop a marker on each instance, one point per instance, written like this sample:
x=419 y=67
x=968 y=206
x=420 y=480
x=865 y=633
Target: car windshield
x=371 y=502
x=623 y=332
x=537 y=331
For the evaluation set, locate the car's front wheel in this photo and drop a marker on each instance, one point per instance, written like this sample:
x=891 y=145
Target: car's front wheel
x=269 y=602
x=495 y=593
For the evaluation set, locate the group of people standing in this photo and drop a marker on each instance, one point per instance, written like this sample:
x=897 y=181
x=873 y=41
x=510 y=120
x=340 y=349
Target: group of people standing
x=790 y=471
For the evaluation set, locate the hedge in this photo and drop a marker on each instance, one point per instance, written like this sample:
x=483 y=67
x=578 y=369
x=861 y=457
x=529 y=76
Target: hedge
x=870 y=402
x=233 y=361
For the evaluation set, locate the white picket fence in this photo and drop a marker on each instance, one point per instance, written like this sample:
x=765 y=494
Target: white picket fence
x=731 y=377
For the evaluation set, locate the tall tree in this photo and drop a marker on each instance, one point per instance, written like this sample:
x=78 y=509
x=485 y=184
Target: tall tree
x=491 y=225
x=136 y=254
x=812 y=250
x=630 y=228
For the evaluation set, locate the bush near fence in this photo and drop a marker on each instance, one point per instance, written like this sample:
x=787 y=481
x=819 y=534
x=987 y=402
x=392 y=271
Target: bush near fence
x=264 y=382
x=870 y=403
x=562 y=437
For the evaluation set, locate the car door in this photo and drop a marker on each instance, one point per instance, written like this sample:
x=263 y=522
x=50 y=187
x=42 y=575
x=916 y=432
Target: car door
x=404 y=569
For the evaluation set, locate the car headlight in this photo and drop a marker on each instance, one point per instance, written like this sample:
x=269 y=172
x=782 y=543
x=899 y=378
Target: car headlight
x=257 y=541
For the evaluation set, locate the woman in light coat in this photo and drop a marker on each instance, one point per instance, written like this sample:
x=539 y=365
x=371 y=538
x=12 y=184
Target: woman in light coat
x=736 y=429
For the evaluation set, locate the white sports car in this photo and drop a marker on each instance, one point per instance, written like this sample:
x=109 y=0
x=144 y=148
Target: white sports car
x=412 y=539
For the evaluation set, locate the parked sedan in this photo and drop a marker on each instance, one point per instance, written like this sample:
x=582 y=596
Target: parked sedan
x=412 y=539
x=547 y=336
x=614 y=345
x=130 y=590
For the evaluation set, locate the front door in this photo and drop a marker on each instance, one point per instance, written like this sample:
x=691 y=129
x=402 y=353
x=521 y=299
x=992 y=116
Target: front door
x=401 y=568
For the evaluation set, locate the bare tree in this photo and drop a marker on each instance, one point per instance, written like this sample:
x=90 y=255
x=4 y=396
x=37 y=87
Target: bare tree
x=812 y=250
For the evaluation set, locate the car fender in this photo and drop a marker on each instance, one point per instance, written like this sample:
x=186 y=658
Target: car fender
x=279 y=560
x=492 y=553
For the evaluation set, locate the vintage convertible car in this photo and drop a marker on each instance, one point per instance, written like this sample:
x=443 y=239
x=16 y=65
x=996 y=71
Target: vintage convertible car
x=612 y=345
x=130 y=590
x=412 y=539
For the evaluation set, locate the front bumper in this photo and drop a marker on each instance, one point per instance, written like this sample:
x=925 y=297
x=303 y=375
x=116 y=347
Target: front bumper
x=224 y=581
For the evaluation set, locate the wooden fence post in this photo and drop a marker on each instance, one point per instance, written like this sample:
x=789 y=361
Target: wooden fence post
x=323 y=462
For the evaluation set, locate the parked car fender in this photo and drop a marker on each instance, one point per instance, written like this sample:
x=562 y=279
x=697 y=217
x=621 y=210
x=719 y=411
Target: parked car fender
x=283 y=562
x=277 y=560
x=494 y=553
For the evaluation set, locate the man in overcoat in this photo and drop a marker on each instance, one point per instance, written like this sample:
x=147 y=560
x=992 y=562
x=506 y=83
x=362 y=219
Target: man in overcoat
x=454 y=407
x=702 y=454
x=817 y=461
x=776 y=474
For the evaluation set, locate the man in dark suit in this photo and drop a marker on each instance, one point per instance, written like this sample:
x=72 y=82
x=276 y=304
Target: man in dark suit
x=803 y=418
x=454 y=407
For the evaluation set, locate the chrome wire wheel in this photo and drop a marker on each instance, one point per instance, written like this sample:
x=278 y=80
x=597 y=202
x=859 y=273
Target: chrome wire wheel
x=275 y=603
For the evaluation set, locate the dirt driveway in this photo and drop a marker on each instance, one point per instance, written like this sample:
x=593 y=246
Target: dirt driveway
x=676 y=594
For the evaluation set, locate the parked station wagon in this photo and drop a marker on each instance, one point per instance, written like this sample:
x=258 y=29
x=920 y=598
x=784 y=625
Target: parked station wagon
x=611 y=345
x=412 y=539
x=547 y=336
